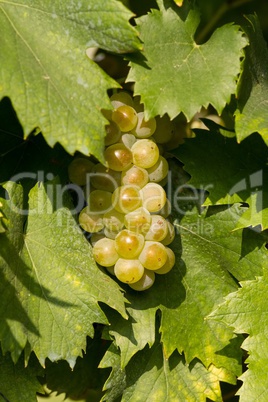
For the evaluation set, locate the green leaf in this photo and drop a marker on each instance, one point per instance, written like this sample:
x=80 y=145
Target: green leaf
x=240 y=176
x=246 y=312
x=17 y=382
x=116 y=383
x=175 y=74
x=151 y=377
x=51 y=81
x=135 y=333
x=50 y=283
x=252 y=114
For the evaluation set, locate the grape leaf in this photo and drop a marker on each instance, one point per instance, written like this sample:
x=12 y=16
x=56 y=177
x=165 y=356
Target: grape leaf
x=252 y=114
x=246 y=312
x=50 y=283
x=151 y=377
x=51 y=81
x=17 y=382
x=241 y=173
x=175 y=73
x=116 y=383
x=135 y=333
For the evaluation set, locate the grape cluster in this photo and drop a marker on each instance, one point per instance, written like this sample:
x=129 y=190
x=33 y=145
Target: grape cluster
x=126 y=205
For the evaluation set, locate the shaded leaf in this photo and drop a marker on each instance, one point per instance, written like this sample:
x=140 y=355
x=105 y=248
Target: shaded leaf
x=252 y=114
x=246 y=312
x=51 y=81
x=50 y=283
x=17 y=382
x=240 y=176
x=178 y=75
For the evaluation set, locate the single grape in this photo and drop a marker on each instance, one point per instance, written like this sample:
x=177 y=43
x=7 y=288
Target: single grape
x=158 y=229
x=153 y=255
x=118 y=157
x=128 y=271
x=125 y=117
x=164 y=129
x=100 y=201
x=113 y=220
x=169 y=264
x=159 y=171
x=79 y=169
x=104 y=252
x=113 y=133
x=136 y=176
x=126 y=198
x=170 y=235
x=138 y=221
x=145 y=153
x=129 y=244
x=90 y=222
x=144 y=129
x=103 y=178
x=153 y=197
x=121 y=99
x=146 y=281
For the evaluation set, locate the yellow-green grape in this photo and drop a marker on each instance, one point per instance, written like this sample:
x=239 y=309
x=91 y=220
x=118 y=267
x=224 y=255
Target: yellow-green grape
x=113 y=133
x=100 y=201
x=120 y=99
x=145 y=153
x=126 y=198
x=138 y=221
x=169 y=264
x=146 y=281
x=118 y=157
x=164 y=129
x=170 y=235
x=113 y=220
x=144 y=129
x=159 y=171
x=165 y=211
x=128 y=271
x=128 y=140
x=153 y=197
x=90 y=222
x=125 y=117
x=136 y=176
x=129 y=244
x=104 y=252
x=158 y=229
x=96 y=237
x=103 y=178
x=79 y=169
x=153 y=255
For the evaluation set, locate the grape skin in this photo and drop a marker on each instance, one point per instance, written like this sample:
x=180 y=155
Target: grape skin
x=126 y=198
x=128 y=271
x=125 y=117
x=91 y=223
x=129 y=244
x=153 y=255
x=78 y=170
x=153 y=197
x=169 y=264
x=104 y=252
x=118 y=157
x=145 y=153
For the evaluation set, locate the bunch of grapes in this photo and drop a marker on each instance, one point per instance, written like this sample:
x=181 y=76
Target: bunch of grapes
x=127 y=208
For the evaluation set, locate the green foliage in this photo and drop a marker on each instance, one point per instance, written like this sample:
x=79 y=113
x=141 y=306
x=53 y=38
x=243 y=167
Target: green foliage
x=65 y=323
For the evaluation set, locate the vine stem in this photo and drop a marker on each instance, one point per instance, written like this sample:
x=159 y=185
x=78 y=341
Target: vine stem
x=226 y=6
